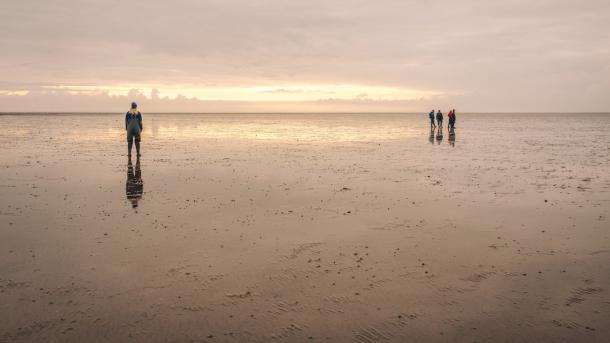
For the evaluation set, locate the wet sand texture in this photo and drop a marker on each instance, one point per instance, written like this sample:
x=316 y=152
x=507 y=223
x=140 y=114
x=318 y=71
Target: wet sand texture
x=289 y=228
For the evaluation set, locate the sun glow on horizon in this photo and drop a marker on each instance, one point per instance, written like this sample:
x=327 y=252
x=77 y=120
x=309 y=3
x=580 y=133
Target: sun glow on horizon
x=13 y=92
x=278 y=93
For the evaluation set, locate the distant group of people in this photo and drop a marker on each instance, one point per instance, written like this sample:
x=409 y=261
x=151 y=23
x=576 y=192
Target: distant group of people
x=439 y=119
x=439 y=124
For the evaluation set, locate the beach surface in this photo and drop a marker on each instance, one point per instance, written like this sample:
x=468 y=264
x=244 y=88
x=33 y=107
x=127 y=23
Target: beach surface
x=305 y=227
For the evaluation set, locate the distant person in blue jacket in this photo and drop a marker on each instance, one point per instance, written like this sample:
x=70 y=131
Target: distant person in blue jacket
x=431 y=116
x=133 y=126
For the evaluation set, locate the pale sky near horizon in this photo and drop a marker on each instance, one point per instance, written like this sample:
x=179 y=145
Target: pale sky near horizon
x=315 y=55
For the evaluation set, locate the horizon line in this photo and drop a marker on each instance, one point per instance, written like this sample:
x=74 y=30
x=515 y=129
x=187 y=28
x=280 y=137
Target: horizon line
x=293 y=112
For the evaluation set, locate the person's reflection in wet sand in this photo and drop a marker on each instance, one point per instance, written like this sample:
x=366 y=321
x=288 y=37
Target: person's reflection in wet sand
x=431 y=136
x=452 y=137
x=134 y=187
x=439 y=135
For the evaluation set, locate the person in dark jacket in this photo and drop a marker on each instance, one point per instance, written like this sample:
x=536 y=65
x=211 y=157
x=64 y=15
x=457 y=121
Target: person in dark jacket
x=133 y=126
x=439 y=119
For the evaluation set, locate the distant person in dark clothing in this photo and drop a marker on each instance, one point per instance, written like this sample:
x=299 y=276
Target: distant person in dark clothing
x=133 y=126
x=451 y=117
x=431 y=115
x=439 y=119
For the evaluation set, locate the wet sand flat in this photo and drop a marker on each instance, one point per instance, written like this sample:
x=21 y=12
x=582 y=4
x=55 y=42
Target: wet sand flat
x=289 y=228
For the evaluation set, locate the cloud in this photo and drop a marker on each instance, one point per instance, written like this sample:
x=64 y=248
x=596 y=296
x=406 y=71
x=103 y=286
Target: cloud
x=497 y=54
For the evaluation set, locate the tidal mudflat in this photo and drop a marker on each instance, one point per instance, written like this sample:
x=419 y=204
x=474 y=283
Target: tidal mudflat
x=287 y=228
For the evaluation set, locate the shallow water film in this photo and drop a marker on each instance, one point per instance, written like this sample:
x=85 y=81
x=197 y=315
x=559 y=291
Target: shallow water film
x=287 y=228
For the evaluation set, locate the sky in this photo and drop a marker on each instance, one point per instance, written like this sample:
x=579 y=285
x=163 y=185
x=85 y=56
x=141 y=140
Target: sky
x=305 y=56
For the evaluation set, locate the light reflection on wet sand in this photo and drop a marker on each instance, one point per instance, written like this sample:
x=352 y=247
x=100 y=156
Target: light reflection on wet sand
x=310 y=128
x=335 y=227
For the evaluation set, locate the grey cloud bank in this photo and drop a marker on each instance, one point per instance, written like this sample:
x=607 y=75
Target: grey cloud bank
x=485 y=55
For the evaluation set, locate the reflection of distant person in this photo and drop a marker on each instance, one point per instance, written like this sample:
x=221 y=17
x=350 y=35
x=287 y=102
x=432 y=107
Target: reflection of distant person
x=439 y=135
x=439 y=119
x=451 y=117
x=452 y=137
x=133 y=126
x=431 y=138
x=134 y=187
x=431 y=115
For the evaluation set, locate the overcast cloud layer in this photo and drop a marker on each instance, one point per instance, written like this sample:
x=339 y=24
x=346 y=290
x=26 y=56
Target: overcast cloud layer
x=474 y=55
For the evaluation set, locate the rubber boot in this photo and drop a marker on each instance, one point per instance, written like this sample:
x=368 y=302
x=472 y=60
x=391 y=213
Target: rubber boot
x=138 y=148
x=129 y=144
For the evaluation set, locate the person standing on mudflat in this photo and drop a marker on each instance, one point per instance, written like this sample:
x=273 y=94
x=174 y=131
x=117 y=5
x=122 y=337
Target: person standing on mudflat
x=431 y=115
x=133 y=126
x=439 y=119
x=451 y=117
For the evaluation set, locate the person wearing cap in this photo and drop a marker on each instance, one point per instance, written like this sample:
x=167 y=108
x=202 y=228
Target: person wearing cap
x=133 y=126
